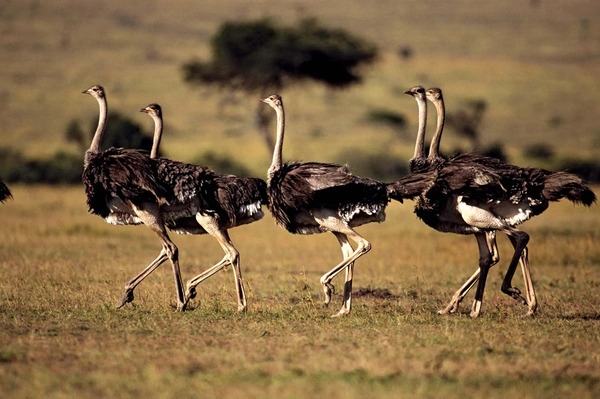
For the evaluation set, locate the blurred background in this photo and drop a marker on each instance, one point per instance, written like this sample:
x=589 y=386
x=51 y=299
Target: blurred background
x=520 y=79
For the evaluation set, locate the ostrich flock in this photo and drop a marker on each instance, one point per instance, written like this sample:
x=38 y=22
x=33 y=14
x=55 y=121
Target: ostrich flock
x=464 y=194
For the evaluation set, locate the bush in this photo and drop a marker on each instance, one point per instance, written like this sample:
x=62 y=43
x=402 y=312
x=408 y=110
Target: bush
x=539 y=151
x=221 y=164
x=390 y=118
x=62 y=168
x=380 y=166
x=122 y=131
x=494 y=150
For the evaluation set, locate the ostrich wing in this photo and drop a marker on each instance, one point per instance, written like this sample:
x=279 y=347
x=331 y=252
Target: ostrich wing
x=121 y=173
x=4 y=192
x=302 y=187
x=187 y=182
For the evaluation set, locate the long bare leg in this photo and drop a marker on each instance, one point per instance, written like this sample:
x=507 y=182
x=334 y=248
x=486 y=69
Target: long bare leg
x=529 y=290
x=191 y=285
x=150 y=216
x=519 y=241
x=347 y=252
x=363 y=246
x=460 y=294
x=129 y=287
x=485 y=261
x=231 y=254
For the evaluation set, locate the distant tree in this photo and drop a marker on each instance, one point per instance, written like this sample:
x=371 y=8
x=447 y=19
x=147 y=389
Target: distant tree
x=258 y=57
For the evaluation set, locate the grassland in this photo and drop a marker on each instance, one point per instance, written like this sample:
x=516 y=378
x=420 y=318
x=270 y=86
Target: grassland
x=63 y=269
x=531 y=64
x=61 y=337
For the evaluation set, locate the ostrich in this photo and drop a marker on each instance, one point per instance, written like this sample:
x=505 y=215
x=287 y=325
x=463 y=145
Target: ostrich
x=5 y=193
x=310 y=198
x=235 y=201
x=472 y=194
x=122 y=187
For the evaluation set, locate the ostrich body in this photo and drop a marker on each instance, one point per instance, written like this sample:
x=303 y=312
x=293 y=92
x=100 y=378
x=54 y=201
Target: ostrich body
x=5 y=193
x=230 y=201
x=310 y=198
x=122 y=187
x=472 y=194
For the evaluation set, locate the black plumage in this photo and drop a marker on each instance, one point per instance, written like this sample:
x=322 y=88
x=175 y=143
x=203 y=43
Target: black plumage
x=124 y=174
x=485 y=182
x=207 y=203
x=190 y=189
x=4 y=192
x=297 y=188
x=310 y=197
x=240 y=198
x=474 y=194
x=123 y=187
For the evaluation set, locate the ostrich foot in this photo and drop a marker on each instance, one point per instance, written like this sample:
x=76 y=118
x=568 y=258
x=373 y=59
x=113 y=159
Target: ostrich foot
x=342 y=312
x=476 y=309
x=515 y=293
x=451 y=308
x=127 y=297
x=190 y=293
x=328 y=290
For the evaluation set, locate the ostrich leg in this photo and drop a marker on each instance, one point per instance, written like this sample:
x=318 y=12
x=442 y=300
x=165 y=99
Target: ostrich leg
x=150 y=216
x=464 y=289
x=485 y=262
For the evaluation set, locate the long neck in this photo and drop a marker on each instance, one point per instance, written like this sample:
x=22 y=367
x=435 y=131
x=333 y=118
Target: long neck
x=97 y=140
x=158 y=127
x=420 y=144
x=434 y=149
x=277 y=162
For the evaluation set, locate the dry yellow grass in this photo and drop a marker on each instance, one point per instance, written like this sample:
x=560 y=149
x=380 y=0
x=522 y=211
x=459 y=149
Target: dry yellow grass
x=63 y=270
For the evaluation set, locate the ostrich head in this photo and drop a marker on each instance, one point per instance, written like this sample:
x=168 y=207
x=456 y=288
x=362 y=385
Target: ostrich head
x=274 y=100
x=95 y=91
x=434 y=94
x=417 y=91
x=152 y=109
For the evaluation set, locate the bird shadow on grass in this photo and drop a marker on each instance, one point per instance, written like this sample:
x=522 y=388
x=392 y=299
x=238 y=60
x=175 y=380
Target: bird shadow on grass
x=377 y=293
x=578 y=316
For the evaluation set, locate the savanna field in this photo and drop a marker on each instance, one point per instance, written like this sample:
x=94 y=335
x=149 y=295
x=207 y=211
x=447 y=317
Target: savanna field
x=535 y=64
x=63 y=272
